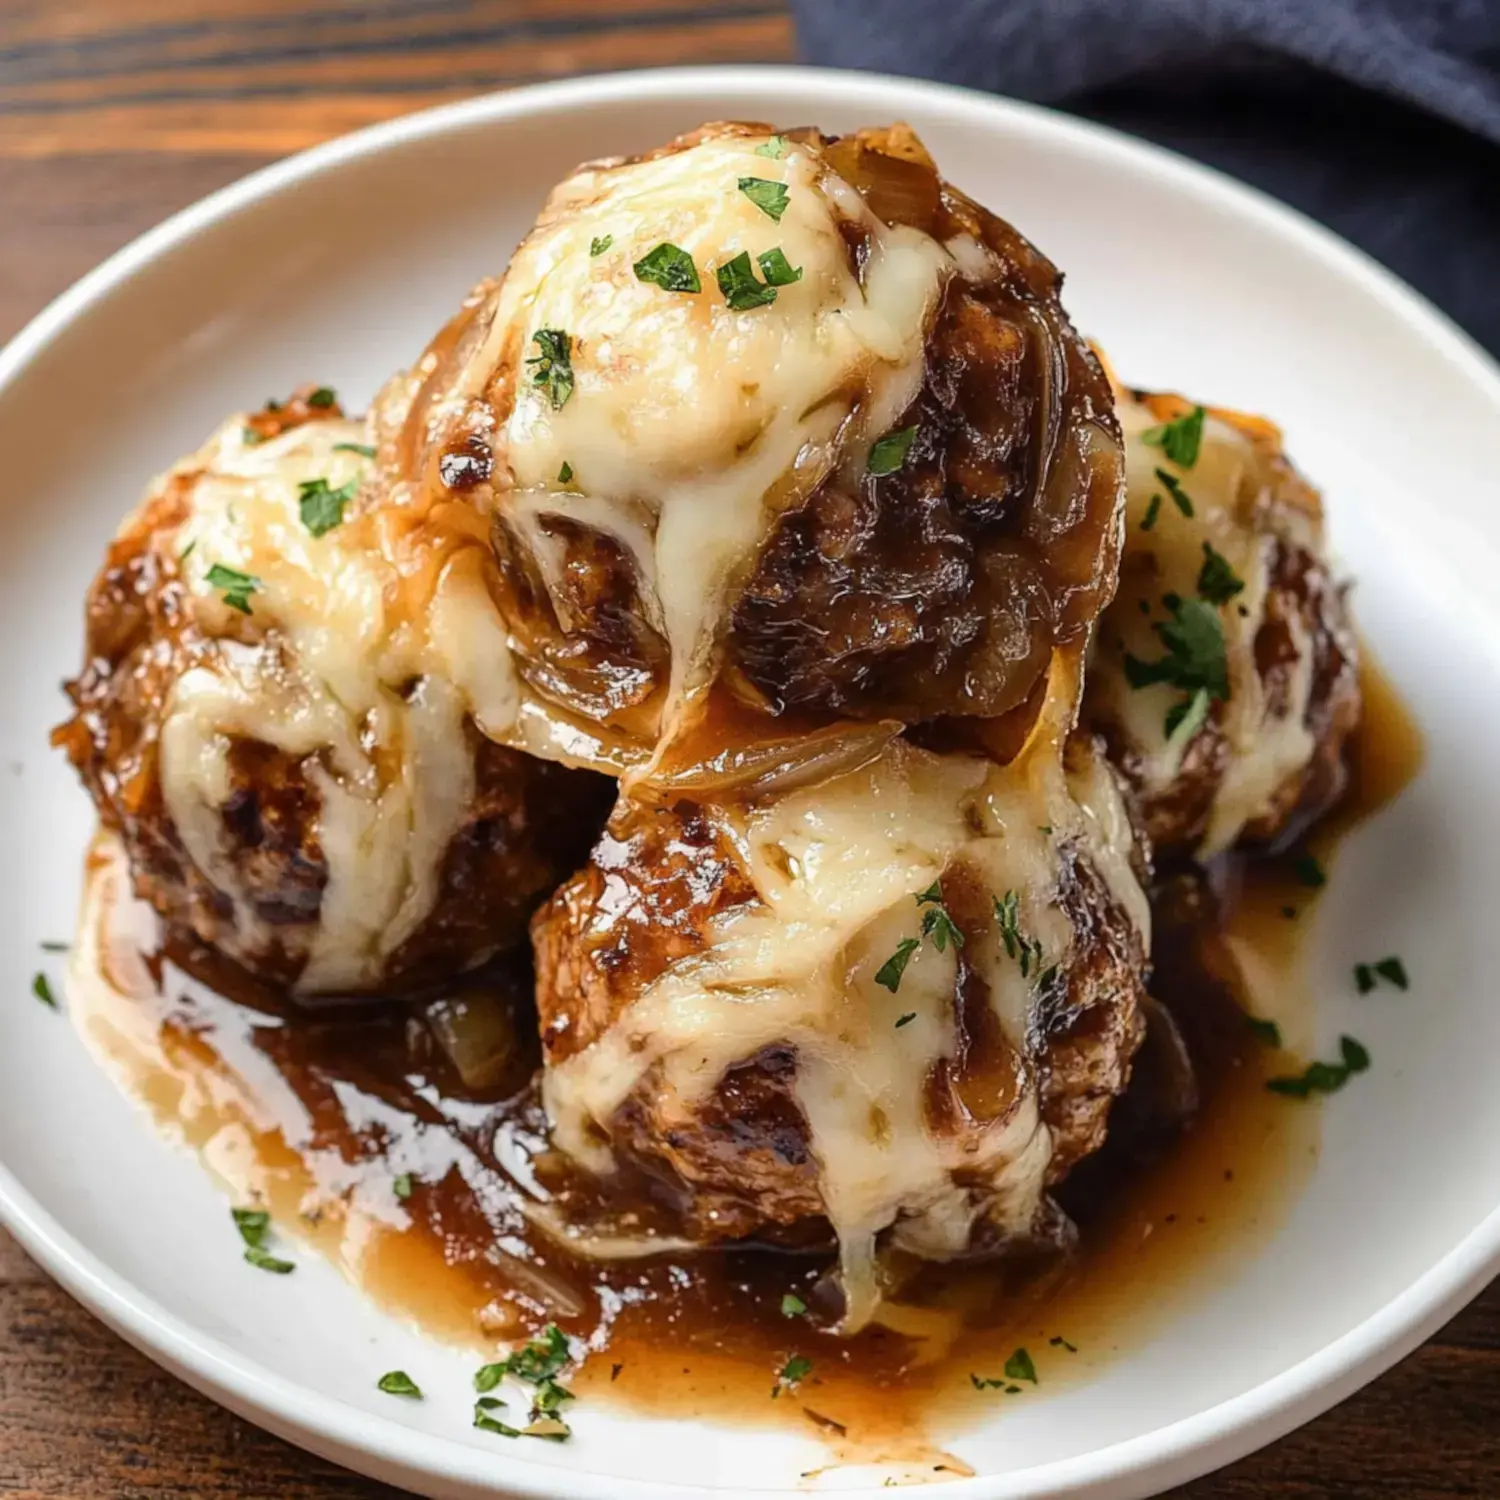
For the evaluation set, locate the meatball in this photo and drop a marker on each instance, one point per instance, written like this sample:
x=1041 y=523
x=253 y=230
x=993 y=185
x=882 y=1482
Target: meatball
x=1224 y=677
x=264 y=721
x=773 y=427
x=896 y=1006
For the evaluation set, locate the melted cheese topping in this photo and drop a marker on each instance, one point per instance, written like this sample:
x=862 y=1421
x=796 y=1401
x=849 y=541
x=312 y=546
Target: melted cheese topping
x=1233 y=491
x=364 y=654
x=836 y=868
x=690 y=425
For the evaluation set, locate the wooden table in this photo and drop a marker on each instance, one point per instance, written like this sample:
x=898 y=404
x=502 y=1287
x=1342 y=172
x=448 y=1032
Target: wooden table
x=114 y=113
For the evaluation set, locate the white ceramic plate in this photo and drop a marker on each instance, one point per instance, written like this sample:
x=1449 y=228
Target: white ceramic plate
x=336 y=265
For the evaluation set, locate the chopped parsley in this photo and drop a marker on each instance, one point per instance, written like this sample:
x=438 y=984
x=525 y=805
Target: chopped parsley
x=769 y=197
x=322 y=508
x=402 y=1186
x=1217 y=581
x=889 y=973
x=1173 y=486
x=1392 y=970
x=1028 y=950
x=1059 y=1342
x=254 y=1224
x=936 y=923
x=742 y=292
x=776 y=268
x=554 y=365
x=1194 y=638
x=1153 y=510
x=539 y=1360
x=54 y=947
x=236 y=587
x=187 y=551
x=399 y=1383
x=1364 y=978
x=250 y=437
x=486 y=1423
x=986 y=1382
x=1323 y=1077
x=1020 y=1367
x=565 y=474
x=1185 y=718
x=42 y=989
x=363 y=449
x=792 y=1306
x=902 y=1020
x=773 y=149
x=1263 y=1030
x=322 y=397
x=600 y=244
x=670 y=267
x=1179 y=439
x=793 y=1373
x=889 y=452
x=1310 y=872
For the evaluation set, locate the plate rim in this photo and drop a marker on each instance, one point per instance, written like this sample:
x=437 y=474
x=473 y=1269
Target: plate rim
x=1169 y=1455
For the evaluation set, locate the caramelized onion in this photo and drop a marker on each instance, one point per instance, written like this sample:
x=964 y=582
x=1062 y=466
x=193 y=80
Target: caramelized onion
x=478 y=1033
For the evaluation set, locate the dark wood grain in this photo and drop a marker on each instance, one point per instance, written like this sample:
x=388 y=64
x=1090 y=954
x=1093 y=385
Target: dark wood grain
x=115 y=113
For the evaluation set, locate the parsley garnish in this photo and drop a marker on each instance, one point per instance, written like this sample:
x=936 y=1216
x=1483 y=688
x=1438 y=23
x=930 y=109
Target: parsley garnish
x=1194 y=638
x=889 y=973
x=54 y=947
x=187 y=551
x=1179 y=439
x=1217 y=581
x=402 y=1186
x=792 y=1306
x=363 y=449
x=42 y=989
x=670 y=267
x=1187 y=716
x=793 y=1372
x=554 y=365
x=1310 y=872
x=565 y=474
x=539 y=1360
x=322 y=508
x=776 y=268
x=742 y=292
x=985 y=1382
x=1017 y=945
x=1322 y=1077
x=1392 y=970
x=773 y=149
x=1264 y=1030
x=321 y=397
x=486 y=1423
x=236 y=587
x=902 y=1020
x=250 y=437
x=599 y=245
x=769 y=197
x=889 y=453
x=936 y=923
x=254 y=1224
x=1059 y=1342
x=399 y=1383
x=1173 y=487
x=1364 y=978
x=1020 y=1367
x=1153 y=509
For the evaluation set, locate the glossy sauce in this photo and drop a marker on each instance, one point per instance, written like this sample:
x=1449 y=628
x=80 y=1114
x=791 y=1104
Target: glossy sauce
x=323 y=1116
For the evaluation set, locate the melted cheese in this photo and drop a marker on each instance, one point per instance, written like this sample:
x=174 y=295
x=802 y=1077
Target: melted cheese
x=836 y=868
x=363 y=656
x=690 y=425
x=1233 y=490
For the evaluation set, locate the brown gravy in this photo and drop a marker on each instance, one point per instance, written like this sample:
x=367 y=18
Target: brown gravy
x=322 y=1117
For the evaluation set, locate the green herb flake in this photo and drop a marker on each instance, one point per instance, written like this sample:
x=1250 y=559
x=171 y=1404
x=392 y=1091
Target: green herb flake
x=1217 y=581
x=487 y=1377
x=263 y=1260
x=41 y=987
x=742 y=292
x=254 y=1224
x=251 y=438
x=1196 y=658
x=553 y=370
x=1180 y=439
x=187 y=551
x=402 y=1186
x=792 y=1306
x=1364 y=978
x=1059 y=1342
x=1173 y=486
x=486 y=1423
x=1309 y=872
x=321 y=507
x=769 y=197
x=236 y=587
x=776 y=268
x=549 y=1399
x=1184 y=719
x=889 y=452
x=1153 y=510
x=793 y=1373
x=1289 y=912
x=670 y=267
x=323 y=397
x=600 y=244
x=1263 y=1030
x=1323 y=1077
x=554 y=1429
x=1020 y=1367
x=773 y=149
x=940 y=928
x=986 y=1382
x=54 y=947
x=901 y=1021
x=888 y=976
x=565 y=474
x=399 y=1383
x=363 y=449
x=1393 y=971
